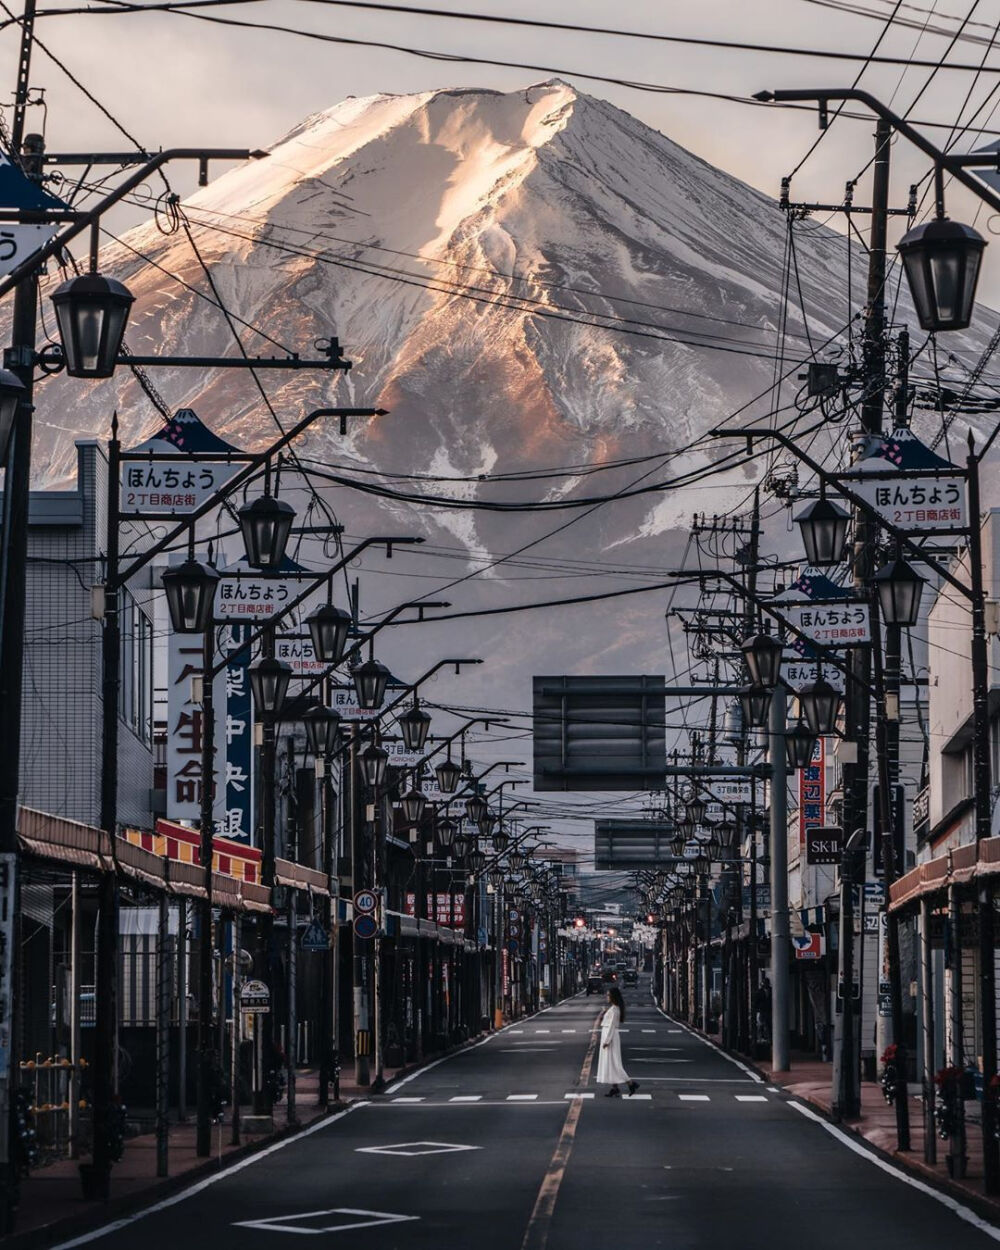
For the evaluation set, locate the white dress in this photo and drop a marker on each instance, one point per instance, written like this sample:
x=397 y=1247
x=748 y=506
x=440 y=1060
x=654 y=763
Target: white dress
x=609 y=1062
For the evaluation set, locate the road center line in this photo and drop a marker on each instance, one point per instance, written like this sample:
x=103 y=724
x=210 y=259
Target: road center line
x=536 y=1235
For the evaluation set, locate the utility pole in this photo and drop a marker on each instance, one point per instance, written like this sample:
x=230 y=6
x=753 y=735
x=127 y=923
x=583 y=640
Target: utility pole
x=19 y=358
x=780 y=939
x=857 y=702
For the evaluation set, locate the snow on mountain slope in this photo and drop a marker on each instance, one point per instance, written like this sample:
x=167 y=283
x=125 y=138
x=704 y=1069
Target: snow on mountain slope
x=416 y=228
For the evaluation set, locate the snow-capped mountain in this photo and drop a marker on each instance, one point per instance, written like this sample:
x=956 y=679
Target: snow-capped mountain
x=525 y=280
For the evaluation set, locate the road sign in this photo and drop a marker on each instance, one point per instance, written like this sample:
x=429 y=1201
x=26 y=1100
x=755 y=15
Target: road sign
x=808 y=946
x=365 y=926
x=365 y=901
x=513 y=946
x=314 y=937
x=255 y=998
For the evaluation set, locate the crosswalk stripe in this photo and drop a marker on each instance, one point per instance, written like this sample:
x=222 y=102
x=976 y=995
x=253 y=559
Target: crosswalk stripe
x=408 y=1100
x=693 y=1097
x=649 y=1030
x=578 y=1095
x=569 y=1030
x=521 y=1097
x=543 y=1030
x=635 y=1097
x=750 y=1098
x=466 y=1098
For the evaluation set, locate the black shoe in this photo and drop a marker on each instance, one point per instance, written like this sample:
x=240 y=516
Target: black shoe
x=632 y=1087
x=613 y=1092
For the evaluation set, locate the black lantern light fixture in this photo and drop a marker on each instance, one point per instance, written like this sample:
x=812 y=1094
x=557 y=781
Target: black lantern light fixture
x=820 y=704
x=414 y=725
x=374 y=765
x=800 y=743
x=269 y=680
x=501 y=838
x=91 y=312
x=899 y=588
x=322 y=729
x=370 y=682
x=726 y=833
x=695 y=809
x=477 y=860
x=517 y=860
x=448 y=774
x=266 y=524
x=413 y=804
x=756 y=704
x=12 y=391
x=476 y=808
x=823 y=525
x=488 y=824
x=942 y=260
x=762 y=653
x=190 y=589
x=702 y=866
x=677 y=844
x=446 y=831
x=329 y=628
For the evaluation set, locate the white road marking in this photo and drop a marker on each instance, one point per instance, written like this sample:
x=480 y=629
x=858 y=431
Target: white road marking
x=125 y=1221
x=637 y=1097
x=569 y=1030
x=638 y=1059
x=521 y=1097
x=578 y=1095
x=287 y=1223
x=946 y=1200
x=543 y=1030
x=420 y=1099
x=466 y=1098
x=648 y=1030
x=719 y=1051
x=693 y=1097
x=415 y=1149
x=750 y=1098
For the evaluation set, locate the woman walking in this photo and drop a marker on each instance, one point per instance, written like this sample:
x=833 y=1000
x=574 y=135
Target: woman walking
x=609 y=1064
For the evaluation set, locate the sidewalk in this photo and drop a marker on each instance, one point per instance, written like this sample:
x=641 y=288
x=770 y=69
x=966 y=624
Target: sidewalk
x=52 y=1207
x=810 y=1081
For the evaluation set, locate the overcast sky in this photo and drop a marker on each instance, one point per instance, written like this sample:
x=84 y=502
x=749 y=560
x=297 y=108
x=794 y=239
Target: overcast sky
x=172 y=80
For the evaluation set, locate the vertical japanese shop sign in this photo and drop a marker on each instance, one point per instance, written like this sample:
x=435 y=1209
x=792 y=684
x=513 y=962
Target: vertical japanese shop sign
x=234 y=733
x=184 y=723
x=812 y=792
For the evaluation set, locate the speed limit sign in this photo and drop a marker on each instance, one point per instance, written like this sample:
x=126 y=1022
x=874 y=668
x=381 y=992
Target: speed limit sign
x=365 y=901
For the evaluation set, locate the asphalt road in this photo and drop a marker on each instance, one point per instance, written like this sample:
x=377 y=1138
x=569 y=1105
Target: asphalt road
x=511 y=1146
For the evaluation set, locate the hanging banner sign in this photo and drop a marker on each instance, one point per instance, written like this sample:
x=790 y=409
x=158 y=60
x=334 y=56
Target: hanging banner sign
x=812 y=792
x=299 y=654
x=445 y=909
x=245 y=594
x=162 y=478
x=344 y=701
x=21 y=240
x=797 y=674
x=909 y=485
x=724 y=790
x=399 y=757
x=234 y=739
x=836 y=623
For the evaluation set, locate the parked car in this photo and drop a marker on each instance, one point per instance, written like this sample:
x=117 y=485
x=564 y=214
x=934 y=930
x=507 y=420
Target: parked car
x=594 y=985
x=631 y=976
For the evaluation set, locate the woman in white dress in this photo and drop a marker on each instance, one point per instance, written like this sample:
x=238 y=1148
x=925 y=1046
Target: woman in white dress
x=609 y=1063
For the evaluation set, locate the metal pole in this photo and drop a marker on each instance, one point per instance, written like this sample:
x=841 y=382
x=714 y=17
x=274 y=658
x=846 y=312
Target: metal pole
x=106 y=976
x=328 y=1001
x=780 y=938
x=927 y=1014
x=234 y=1051
x=957 y=1154
x=291 y=912
x=362 y=1068
x=74 y=1017
x=182 y=1008
x=264 y=1024
x=982 y=796
x=163 y=1037
x=206 y=1051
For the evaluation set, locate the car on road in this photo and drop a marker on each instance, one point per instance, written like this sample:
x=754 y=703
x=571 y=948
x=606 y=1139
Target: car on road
x=631 y=976
x=594 y=985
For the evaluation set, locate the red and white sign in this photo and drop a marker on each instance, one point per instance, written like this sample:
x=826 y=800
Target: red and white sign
x=449 y=909
x=808 y=946
x=812 y=792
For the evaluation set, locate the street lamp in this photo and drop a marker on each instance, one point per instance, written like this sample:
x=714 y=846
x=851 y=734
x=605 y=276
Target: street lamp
x=11 y=393
x=517 y=860
x=488 y=824
x=370 y=680
x=266 y=524
x=702 y=865
x=762 y=653
x=899 y=587
x=414 y=725
x=446 y=830
x=501 y=838
x=413 y=803
x=269 y=680
x=448 y=774
x=727 y=835
x=823 y=525
x=820 y=704
x=374 y=765
x=942 y=260
x=190 y=589
x=800 y=743
x=329 y=628
x=677 y=843
x=322 y=728
x=476 y=808
x=694 y=810
x=756 y=704
x=91 y=312
x=477 y=860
